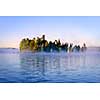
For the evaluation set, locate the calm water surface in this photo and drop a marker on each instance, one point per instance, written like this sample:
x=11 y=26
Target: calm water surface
x=49 y=67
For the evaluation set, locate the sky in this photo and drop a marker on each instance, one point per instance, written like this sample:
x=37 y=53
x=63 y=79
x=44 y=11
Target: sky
x=71 y=29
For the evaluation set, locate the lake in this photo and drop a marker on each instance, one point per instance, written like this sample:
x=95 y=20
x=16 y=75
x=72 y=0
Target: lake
x=27 y=67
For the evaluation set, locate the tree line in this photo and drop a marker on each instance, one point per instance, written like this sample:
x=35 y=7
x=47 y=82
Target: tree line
x=41 y=44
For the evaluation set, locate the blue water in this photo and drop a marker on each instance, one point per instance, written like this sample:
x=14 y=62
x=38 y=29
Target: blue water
x=16 y=67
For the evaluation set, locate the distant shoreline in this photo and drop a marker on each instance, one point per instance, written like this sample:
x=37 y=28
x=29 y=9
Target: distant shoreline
x=7 y=48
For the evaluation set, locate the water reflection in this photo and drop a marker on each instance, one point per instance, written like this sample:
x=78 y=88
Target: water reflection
x=73 y=67
x=40 y=63
x=44 y=65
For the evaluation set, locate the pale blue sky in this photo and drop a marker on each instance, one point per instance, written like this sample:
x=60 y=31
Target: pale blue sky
x=69 y=29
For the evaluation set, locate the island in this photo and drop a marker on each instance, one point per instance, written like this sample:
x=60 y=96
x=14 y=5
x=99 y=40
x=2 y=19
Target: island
x=40 y=44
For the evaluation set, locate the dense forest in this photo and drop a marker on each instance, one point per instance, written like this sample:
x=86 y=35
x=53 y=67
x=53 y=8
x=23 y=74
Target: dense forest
x=41 y=44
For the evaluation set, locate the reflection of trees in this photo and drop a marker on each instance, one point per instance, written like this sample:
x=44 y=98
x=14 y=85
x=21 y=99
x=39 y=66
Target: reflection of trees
x=33 y=63
x=45 y=64
x=40 y=64
x=54 y=64
x=75 y=61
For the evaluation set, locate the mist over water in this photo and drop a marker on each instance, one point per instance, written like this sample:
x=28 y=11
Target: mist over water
x=49 y=67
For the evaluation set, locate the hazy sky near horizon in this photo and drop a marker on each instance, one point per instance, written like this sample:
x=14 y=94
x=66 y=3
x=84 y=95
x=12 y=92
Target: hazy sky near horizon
x=69 y=29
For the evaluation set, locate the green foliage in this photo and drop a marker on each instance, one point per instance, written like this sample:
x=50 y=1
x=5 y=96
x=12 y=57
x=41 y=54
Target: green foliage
x=24 y=44
x=32 y=45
